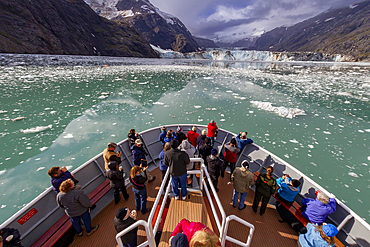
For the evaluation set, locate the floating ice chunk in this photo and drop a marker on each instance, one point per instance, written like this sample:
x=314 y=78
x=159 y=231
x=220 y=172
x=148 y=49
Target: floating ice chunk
x=281 y=111
x=200 y=120
x=38 y=159
x=346 y=185
x=361 y=131
x=251 y=112
x=158 y=103
x=364 y=164
x=367 y=130
x=69 y=167
x=1 y=111
x=18 y=118
x=102 y=97
x=36 y=129
x=208 y=78
x=347 y=102
x=215 y=109
x=353 y=174
x=197 y=106
x=144 y=83
x=40 y=168
x=105 y=93
x=2 y=172
x=286 y=156
x=311 y=146
x=3 y=206
x=327 y=133
x=68 y=136
x=43 y=148
x=114 y=123
x=294 y=141
x=222 y=120
x=368 y=157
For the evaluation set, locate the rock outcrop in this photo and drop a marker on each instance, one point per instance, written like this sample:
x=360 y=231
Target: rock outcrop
x=158 y=28
x=343 y=31
x=68 y=27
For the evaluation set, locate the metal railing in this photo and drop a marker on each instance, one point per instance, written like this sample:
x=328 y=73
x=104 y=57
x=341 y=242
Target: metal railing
x=221 y=225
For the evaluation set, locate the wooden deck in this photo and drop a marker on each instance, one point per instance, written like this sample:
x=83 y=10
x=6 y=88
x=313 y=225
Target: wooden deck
x=268 y=230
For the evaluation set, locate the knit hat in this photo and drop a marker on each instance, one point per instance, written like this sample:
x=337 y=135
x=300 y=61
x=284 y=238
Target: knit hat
x=112 y=145
x=174 y=143
x=329 y=230
x=180 y=240
x=121 y=213
x=245 y=164
x=214 y=151
x=112 y=165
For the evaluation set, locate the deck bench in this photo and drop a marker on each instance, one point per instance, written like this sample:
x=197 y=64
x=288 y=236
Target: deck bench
x=51 y=236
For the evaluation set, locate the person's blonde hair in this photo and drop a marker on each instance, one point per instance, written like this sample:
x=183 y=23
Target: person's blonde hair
x=134 y=170
x=329 y=240
x=323 y=198
x=66 y=185
x=201 y=238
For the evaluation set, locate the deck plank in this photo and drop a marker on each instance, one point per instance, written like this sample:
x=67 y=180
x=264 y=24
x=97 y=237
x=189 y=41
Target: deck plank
x=193 y=209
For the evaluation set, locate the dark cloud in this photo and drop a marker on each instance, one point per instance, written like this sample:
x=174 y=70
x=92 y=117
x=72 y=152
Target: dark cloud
x=237 y=19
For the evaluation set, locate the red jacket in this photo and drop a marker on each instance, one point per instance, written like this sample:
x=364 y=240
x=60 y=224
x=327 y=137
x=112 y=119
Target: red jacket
x=212 y=127
x=231 y=153
x=192 y=137
x=189 y=228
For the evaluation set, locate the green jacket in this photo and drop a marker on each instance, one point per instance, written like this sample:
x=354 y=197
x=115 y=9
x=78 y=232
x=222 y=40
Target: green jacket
x=266 y=186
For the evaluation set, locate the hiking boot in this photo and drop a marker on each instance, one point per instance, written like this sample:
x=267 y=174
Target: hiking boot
x=93 y=230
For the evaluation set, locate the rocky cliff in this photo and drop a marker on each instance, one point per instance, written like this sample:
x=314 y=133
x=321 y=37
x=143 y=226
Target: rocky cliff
x=342 y=31
x=67 y=27
x=158 y=28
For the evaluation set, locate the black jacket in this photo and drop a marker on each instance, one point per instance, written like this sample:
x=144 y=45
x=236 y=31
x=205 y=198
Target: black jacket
x=176 y=161
x=116 y=178
x=121 y=225
x=138 y=182
x=214 y=165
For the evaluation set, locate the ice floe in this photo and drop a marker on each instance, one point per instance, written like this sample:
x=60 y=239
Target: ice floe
x=68 y=136
x=353 y=174
x=40 y=168
x=36 y=129
x=43 y=148
x=2 y=172
x=281 y=111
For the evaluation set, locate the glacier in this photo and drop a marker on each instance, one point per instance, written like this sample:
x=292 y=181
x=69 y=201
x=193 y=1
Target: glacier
x=251 y=55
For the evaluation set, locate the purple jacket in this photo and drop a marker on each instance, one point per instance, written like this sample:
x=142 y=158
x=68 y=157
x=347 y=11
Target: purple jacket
x=57 y=181
x=316 y=211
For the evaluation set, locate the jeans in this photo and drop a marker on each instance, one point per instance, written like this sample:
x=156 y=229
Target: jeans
x=212 y=140
x=175 y=185
x=76 y=222
x=133 y=243
x=242 y=199
x=140 y=199
x=117 y=196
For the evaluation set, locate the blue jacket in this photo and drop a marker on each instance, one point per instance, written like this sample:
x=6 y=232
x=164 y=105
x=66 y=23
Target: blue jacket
x=286 y=191
x=243 y=142
x=57 y=181
x=312 y=238
x=316 y=211
x=162 y=136
x=169 y=139
x=162 y=167
x=138 y=153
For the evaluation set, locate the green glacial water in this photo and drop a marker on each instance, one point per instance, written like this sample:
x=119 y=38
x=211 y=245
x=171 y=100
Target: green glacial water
x=72 y=110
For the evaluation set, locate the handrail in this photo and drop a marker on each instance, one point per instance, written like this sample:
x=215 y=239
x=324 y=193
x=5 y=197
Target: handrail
x=225 y=237
x=222 y=226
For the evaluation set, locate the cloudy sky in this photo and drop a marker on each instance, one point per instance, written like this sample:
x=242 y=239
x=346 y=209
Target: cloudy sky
x=229 y=20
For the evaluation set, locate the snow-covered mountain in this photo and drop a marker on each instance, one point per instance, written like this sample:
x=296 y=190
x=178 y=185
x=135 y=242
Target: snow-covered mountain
x=157 y=27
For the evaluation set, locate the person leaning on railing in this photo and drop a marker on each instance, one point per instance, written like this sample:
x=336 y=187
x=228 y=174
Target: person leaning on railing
x=317 y=210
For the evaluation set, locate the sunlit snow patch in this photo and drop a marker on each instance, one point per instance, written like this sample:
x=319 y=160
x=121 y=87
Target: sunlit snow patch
x=36 y=129
x=281 y=111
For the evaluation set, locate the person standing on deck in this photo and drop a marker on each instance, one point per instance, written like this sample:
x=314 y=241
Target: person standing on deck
x=214 y=167
x=125 y=218
x=180 y=136
x=117 y=181
x=162 y=167
x=76 y=205
x=242 y=140
x=138 y=155
x=58 y=175
x=230 y=156
x=110 y=155
x=138 y=180
x=190 y=150
x=242 y=180
x=132 y=136
x=162 y=135
x=265 y=188
x=177 y=161
x=288 y=188
x=192 y=136
x=317 y=210
x=212 y=129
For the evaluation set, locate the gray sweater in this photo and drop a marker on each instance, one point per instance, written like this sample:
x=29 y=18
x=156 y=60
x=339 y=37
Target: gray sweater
x=74 y=202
